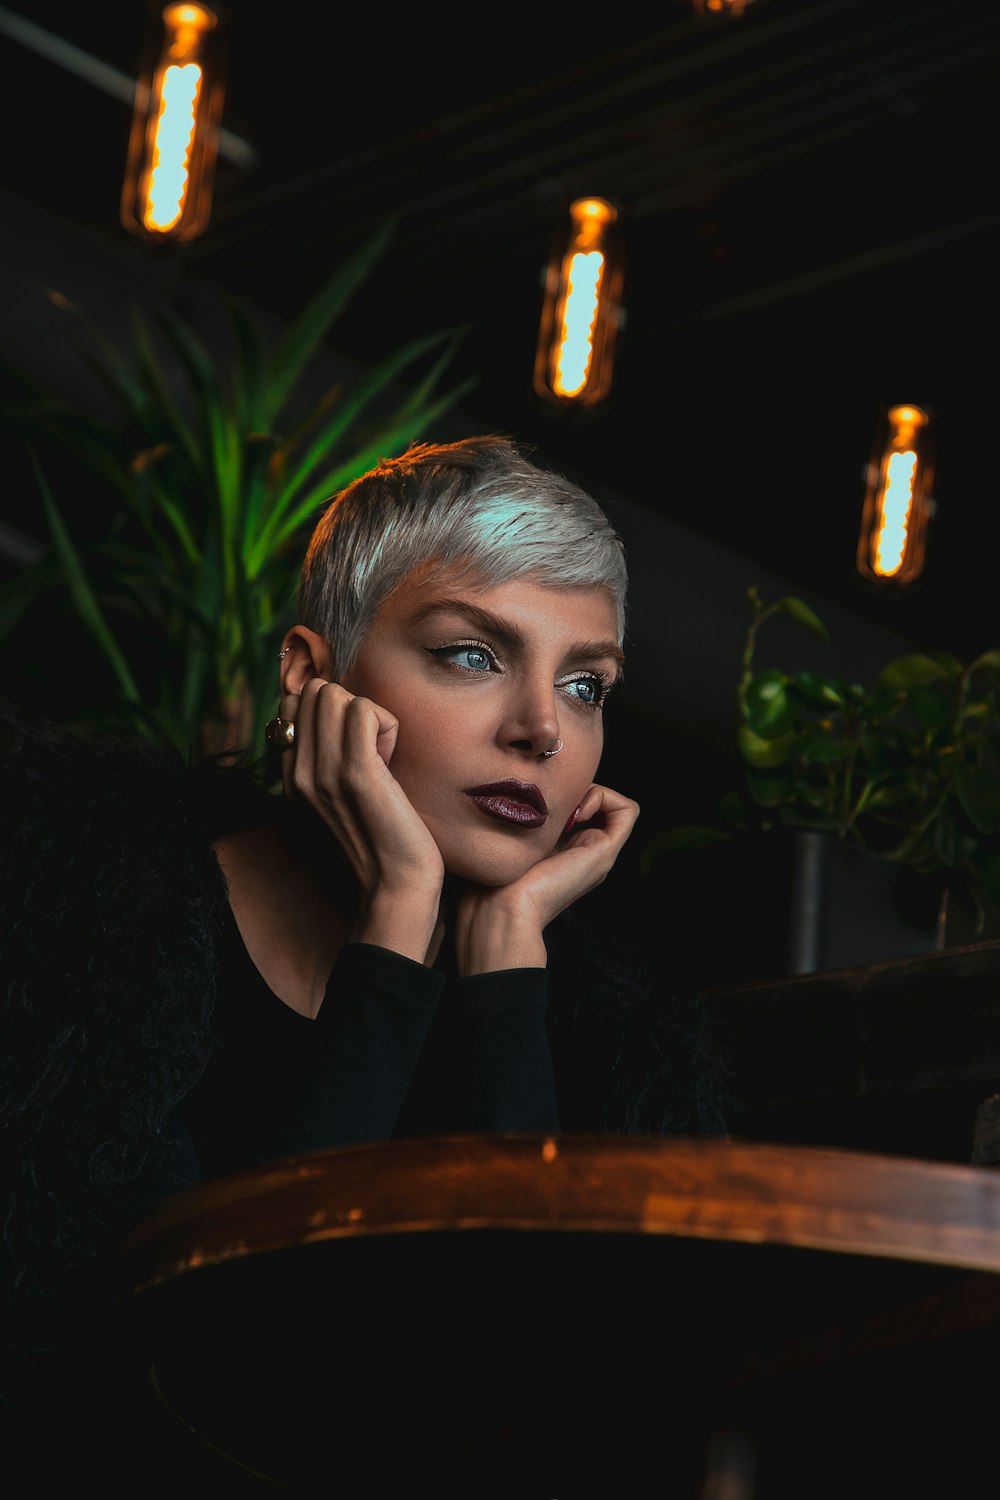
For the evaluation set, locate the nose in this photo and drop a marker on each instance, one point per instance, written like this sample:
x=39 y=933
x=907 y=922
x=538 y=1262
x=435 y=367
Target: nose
x=530 y=721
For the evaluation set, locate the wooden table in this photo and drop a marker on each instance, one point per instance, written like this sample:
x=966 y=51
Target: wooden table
x=570 y=1316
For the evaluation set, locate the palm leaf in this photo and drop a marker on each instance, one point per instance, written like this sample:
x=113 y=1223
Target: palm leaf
x=173 y=427
x=311 y=326
x=423 y=392
x=81 y=593
x=18 y=593
x=391 y=440
x=346 y=415
x=248 y=369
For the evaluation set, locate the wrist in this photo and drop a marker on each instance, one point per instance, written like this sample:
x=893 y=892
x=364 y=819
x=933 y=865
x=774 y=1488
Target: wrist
x=488 y=939
x=402 y=922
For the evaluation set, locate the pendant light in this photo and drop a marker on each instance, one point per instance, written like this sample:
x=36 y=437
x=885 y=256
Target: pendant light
x=898 y=502
x=175 y=125
x=581 y=310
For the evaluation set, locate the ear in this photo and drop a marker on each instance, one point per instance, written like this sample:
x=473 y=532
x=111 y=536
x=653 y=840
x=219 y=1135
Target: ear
x=305 y=655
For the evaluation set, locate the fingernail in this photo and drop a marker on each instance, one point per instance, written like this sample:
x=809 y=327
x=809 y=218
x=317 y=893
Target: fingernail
x=572 y=819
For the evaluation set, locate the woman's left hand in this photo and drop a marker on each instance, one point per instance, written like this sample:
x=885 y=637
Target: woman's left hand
x=500 y=927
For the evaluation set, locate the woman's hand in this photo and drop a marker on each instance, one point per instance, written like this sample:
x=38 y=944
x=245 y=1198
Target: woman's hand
x=339 y=765
x=501 y=927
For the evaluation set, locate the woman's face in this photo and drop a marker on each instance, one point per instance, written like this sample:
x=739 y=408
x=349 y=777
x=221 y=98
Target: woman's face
x=483 y=680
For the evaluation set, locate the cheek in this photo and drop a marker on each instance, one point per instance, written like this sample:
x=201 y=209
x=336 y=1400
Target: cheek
x=590 y=757
x=429 y=737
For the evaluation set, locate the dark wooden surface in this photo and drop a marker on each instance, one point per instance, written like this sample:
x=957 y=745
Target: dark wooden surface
x=719 y=1190
x=894 y=1057
x=559 y=1317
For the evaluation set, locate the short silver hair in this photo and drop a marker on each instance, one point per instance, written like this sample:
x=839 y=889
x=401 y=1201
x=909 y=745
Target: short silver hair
x=478 y=504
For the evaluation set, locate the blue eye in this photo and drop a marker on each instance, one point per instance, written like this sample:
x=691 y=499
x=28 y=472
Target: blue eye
x=476 y=659
x=468 y=658
x=589 y=690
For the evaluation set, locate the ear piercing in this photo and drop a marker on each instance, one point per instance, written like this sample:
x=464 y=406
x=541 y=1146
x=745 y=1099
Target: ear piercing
x=283 y=654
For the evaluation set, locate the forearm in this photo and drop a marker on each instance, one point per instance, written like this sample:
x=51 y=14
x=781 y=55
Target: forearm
x=368 y=1036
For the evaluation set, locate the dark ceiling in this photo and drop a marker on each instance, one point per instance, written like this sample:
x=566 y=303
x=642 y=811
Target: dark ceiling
x=809 y=198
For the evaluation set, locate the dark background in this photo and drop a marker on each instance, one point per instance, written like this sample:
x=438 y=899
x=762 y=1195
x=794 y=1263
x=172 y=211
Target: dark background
x=811 y=222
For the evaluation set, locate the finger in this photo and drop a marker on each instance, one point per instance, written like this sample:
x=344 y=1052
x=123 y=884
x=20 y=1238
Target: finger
x=601 y=798
x=368 y=726
x=607 y=812
x=305 y=753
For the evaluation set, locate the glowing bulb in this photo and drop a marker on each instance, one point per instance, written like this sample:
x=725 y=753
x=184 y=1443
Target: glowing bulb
x=897 y=503
x=175 y=123
x=576 y=332
x=174 y=142
x=581 y=311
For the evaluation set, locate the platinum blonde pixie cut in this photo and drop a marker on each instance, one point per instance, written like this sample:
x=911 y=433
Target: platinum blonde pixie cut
x=477 y=504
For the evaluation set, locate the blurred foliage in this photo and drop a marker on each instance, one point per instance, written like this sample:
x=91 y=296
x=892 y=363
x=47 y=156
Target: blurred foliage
x=216 y=472
x=908 y=768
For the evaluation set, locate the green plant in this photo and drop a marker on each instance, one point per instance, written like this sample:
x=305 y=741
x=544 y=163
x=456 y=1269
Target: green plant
x=909 y=767
x=216 y=478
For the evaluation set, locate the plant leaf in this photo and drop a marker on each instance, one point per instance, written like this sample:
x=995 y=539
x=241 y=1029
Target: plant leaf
x=249 y=368
x=978 y=792
x=768 y=709
x=172 y=425
x=989 y=661
x=818 y=746
x=81 y=593
x=910 y=671
x=16 y=594
x=769 y=791
x=311 y=326
x=390 y=441
x=800 y=611
x=819 y=690
x=761 y=753
x=351 y=407
x=931 y=705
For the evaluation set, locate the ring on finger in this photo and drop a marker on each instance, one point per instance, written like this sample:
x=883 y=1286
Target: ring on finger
x=280 y=733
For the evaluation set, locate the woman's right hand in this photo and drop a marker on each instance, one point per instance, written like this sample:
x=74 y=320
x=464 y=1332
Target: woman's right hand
x=339 y=765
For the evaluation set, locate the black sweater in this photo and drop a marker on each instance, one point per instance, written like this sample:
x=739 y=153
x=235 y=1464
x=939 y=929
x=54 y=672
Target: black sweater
x=142 y=1051
x=398 y=1049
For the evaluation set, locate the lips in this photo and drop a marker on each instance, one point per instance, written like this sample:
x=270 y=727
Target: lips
x=511 y=801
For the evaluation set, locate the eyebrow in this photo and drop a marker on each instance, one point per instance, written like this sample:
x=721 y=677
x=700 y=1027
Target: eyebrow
x=508 y=633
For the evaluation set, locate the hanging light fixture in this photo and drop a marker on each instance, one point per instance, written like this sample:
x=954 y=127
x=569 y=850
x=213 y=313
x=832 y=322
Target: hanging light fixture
x=898 y=501
x=175 y=126
x=719 y=7
x=581 y=310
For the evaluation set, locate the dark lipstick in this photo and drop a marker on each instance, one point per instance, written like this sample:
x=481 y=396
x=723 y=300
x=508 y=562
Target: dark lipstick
x=511 y=801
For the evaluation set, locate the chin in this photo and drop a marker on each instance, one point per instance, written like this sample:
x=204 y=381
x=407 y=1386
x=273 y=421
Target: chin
x=496 y=862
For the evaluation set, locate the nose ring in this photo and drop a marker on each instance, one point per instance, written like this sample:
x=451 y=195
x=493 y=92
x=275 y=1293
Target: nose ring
x=555 y=749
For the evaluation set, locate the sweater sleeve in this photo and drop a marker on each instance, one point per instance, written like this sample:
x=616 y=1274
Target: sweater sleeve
x=506 y=1077
x=367 y=1038
x=279 y=1083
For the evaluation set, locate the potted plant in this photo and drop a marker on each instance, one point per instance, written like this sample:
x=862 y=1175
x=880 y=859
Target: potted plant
x=894 y=784
x=216 y=469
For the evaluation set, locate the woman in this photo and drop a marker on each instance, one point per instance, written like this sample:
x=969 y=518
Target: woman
x=387 y=949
